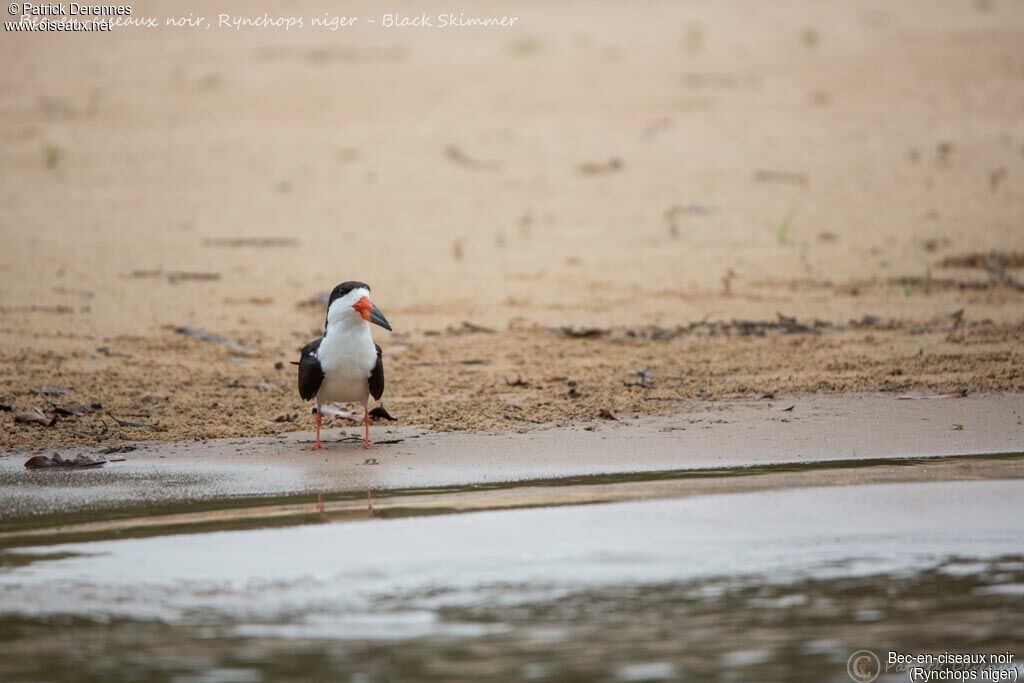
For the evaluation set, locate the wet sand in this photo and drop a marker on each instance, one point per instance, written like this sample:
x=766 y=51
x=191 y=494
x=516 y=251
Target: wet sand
x=726 y=435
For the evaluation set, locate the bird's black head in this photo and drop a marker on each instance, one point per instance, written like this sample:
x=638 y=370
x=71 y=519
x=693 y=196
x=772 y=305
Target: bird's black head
x=356 y=295
x=344 y=288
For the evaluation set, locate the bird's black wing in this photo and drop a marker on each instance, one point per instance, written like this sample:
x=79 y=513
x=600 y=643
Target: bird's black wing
x=377 y=376
x=310 y=372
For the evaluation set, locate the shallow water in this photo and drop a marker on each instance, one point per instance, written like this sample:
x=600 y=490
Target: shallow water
x=765 y=585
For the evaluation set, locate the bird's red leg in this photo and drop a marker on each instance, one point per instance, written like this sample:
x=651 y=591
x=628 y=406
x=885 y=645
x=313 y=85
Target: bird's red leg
x=316 y=444
x=369 y=501
x=320 y=504
x=366 y=424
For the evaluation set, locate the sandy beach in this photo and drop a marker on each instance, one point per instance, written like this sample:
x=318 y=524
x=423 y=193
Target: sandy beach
x=738 y=199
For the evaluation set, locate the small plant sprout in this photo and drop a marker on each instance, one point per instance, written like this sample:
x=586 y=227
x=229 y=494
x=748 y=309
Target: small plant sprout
x=53 y=154
x=924 y=285
x=727 y=279
x=782 y=234
x=528 y=47
x=673 y=216
x=693 y=39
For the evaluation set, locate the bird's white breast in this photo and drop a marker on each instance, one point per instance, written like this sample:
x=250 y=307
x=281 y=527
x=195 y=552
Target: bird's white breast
x=347 y=356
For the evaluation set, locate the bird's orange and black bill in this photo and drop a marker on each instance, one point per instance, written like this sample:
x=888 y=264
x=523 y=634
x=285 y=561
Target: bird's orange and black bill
x=371 y=313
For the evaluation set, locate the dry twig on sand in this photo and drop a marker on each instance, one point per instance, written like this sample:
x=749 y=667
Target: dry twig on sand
x=456 y=155
x=1000 y=273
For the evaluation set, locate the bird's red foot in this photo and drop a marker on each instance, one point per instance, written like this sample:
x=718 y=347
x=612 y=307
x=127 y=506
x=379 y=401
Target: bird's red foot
x=366 y=434
x=320 y=504
x=317 y=446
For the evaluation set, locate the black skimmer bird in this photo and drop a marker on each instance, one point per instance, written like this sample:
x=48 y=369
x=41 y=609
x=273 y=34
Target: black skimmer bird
x=344 y=365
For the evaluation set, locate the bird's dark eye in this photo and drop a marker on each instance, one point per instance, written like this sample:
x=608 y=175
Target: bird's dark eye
x=344 y=288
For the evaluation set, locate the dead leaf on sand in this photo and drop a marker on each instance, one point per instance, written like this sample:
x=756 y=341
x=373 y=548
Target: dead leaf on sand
x=211 y=337
x=599 y=168
x=125 y=448
x=174 y=276
x=786 y=177
x=468 y=361
x=643 y=379
x=468 y=327
x=255 y=384
x=913 y=397
x=35 y=416
x=617 y=415
x=457 y=156
x=133 y=425
x=51 y=390
x=250 y=242
x=57 y=461
x=519 y=418
x=180 y=276
x=581 y=332
x=69 y=410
